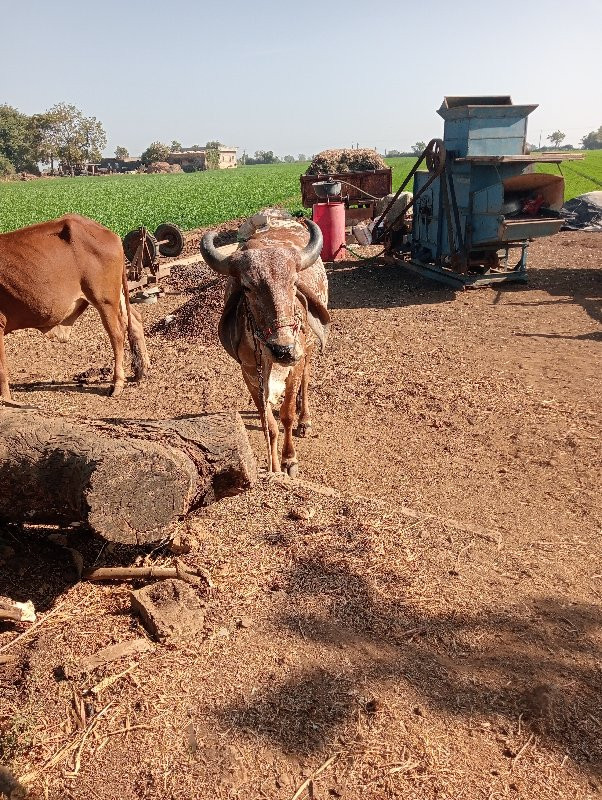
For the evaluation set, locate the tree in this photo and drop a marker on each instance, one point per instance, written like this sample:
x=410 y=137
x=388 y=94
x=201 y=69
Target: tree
x=302 y=157
x=18 y=139
x=265 y=157
x=289 y=159
x=6 y=168
x=212 y=155
x=593 y=140
x=157 y=151
x=556 y=138
x=393 y=154
x=418 y=148
x=74 y=138
x=176 y=147
x=121 y=152
x=46 y=145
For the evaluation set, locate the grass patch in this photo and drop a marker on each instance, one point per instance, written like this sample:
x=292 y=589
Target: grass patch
x=124 y=202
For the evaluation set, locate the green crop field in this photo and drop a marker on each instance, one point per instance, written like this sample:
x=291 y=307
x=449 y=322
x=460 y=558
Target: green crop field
x=123 y=202
x=579 y=176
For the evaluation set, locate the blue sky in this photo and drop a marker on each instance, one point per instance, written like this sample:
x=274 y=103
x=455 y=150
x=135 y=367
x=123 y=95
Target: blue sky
x=303 y=76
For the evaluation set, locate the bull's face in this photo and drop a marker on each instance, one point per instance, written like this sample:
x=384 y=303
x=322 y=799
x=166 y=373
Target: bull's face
x=268 y=277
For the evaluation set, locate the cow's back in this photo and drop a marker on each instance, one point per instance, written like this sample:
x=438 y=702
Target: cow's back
x=47 y=268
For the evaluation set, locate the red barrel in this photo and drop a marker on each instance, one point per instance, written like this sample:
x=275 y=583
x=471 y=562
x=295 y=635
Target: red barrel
x=330 y=219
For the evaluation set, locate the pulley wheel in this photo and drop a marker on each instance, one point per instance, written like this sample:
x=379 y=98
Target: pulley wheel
x=435 y=155
x=150 y=250
x=172 y=239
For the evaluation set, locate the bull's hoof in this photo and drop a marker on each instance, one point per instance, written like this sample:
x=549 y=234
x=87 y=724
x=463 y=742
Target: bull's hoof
x=115 y=390
x=303 y=429
x=15 y=404
x=291 y=468
x=141 y=370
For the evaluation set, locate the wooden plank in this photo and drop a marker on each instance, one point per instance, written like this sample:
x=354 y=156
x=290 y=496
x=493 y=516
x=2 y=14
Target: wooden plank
x=543 y=158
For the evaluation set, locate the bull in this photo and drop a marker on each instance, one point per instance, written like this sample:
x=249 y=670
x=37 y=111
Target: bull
x=274 y=316
x=51 y=272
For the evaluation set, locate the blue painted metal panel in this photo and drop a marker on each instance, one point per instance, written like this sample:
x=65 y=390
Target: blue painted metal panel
x=497 y=128
x=495 y=147
x=518 y=230
x=479 y=126
x=488 y=200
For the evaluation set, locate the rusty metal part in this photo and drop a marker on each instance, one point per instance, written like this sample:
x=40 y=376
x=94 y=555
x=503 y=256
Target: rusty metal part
x=436 y=154
x=140 y=246
x=374 y=183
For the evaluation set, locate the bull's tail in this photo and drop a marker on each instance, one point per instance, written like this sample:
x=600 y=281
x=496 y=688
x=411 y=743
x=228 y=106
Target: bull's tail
x=138 y=359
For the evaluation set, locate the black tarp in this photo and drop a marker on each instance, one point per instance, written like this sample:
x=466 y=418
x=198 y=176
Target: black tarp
x=583 y=213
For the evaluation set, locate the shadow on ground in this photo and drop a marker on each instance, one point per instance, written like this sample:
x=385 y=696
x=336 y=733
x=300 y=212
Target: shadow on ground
x=542 y=667
x=375 y=284
x=37 y=562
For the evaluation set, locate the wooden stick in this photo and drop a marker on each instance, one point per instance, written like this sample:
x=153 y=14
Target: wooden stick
x=107 y=655
x=313 y=776
x=34 y=627
x=78 y=740
x=521 y=751
x=10 y=615
x=180 y=571
x=405 y=511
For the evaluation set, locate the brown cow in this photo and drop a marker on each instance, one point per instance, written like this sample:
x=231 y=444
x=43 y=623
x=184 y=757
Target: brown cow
x=51 y=272
x=274 y=315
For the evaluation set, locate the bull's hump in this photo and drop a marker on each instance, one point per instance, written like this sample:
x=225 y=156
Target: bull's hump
x=295 y=237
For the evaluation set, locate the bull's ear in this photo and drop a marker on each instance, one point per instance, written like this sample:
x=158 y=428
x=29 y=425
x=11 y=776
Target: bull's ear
x=311 y=252
x=216 y=260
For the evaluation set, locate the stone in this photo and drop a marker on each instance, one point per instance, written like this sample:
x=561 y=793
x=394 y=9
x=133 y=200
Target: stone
x=169 y=609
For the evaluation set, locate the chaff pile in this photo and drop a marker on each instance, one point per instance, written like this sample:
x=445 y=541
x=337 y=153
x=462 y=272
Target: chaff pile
x=330 y=162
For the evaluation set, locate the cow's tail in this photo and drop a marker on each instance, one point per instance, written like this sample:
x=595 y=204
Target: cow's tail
x=138 y=360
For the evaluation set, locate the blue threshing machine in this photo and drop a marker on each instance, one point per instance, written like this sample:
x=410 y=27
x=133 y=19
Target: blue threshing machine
x=479 y=200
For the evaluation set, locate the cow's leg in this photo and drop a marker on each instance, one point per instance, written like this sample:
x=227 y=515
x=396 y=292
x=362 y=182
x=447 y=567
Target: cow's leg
x=270 y=421
x=304 y=423
x=287 y=417
x=113 y=324
x=4 y=387
x=135 y=331
x=140 y=359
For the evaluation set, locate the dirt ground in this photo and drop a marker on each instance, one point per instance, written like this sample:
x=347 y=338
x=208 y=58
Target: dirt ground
x=430 y=628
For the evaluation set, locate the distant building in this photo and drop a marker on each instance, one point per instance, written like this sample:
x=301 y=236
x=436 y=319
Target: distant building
x=192 y=160
x=128 y=164
x=86 y=168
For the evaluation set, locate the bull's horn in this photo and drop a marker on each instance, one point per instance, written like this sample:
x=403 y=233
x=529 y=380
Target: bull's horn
x=311 y=251
x=212 y=256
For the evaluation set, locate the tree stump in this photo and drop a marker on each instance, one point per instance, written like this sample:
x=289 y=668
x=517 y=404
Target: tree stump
x=128 y=480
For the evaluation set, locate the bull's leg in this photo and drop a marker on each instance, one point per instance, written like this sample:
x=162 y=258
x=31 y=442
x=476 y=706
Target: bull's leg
x=113 y=324
x=4 y=387
x=304 y=423
x=270 y=422
x=287 y=417
x=274 y=433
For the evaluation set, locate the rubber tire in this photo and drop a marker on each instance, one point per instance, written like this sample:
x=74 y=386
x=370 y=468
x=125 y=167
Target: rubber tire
x=176 y=239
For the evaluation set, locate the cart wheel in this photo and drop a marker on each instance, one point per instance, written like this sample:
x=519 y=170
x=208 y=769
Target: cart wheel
x=172 y=239
x=150 y=250
x=435 y=155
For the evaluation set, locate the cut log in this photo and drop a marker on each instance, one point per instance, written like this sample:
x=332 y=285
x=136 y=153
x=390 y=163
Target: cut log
x=128 y=480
